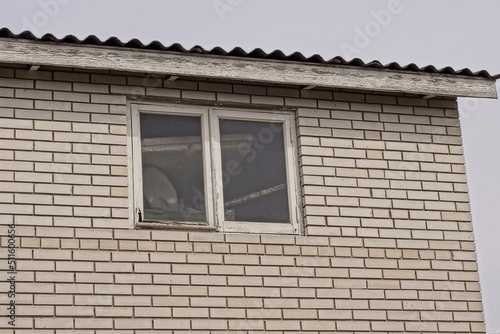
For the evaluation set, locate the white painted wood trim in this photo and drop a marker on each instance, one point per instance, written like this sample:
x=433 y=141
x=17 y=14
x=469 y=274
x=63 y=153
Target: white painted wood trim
x=214 y=201
x=293 y=176
x=245 y=69
x=261 y=228
x=137 y=154
x=135 y=135
x=217 y=170
x=207 y=169
x=131 y=115
x=291 y=167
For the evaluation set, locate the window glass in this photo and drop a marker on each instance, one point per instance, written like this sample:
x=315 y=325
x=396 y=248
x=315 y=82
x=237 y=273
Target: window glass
x=253 y=171
x=172 y=168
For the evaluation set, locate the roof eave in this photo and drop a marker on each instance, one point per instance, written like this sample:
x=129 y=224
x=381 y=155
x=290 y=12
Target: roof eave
x=245 y=69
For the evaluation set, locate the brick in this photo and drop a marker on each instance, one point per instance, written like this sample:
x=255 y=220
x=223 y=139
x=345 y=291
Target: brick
x=53 y=323
x=94 y=323
x=109 y=139
x=33 y=199
x=16 y=209
x=71 y=76
x=110 y=119
x=454 y=327
x=6 y=92
x=32 y=177
x=16 y=103
x=267 y=100
x=164 y=92
x=94 y=278
x=110 y=202
x=75 y=266
x=176 y=324
x=148 y=312
x=94 y=300
x=62 y=311
x=133 y=323
x=110 y=180
x=16 y=83
x=74 y=288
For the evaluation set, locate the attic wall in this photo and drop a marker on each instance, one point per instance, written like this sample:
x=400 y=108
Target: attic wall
x=388 y=244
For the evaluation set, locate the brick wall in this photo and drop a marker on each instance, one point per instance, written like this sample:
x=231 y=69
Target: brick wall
x=389 y=245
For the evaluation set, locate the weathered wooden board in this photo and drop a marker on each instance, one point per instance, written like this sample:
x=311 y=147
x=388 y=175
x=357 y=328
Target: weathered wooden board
x=233 y=68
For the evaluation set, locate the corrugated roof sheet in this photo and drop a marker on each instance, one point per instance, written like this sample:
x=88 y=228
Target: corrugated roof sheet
x=239 y=52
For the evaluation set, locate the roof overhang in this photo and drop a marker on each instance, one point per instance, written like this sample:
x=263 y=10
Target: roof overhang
x=233 y=68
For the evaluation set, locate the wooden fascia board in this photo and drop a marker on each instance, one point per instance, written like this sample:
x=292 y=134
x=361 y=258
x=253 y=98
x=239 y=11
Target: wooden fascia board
x=244 y=69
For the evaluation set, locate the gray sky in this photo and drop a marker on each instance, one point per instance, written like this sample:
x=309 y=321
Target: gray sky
x=453 y=33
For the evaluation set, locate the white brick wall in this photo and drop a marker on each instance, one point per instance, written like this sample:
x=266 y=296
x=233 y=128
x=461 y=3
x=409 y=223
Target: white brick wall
x=389 y=245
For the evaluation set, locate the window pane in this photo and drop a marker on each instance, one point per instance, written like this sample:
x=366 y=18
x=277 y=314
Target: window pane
x=253 y=171
x=172 y=168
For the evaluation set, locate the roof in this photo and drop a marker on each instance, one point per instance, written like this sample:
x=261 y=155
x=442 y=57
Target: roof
x=241 y=53
x=276 y=67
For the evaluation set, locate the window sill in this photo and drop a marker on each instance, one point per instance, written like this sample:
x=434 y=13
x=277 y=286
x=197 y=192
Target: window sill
x=174 y=226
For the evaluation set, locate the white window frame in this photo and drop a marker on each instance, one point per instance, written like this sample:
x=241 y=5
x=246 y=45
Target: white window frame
x=214 y=201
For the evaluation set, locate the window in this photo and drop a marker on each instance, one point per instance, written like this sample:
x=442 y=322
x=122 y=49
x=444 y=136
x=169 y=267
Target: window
x=212 y=168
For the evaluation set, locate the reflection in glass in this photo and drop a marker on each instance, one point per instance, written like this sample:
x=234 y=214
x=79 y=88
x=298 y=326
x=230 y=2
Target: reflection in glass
x=253 y=171
x=172 y=168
